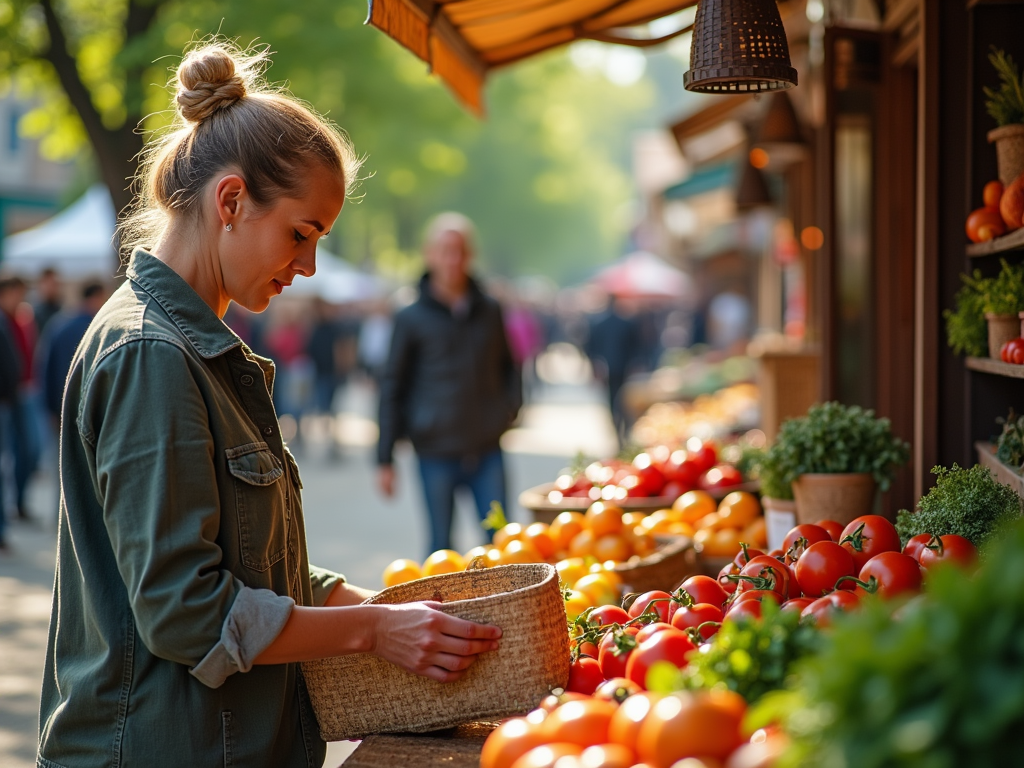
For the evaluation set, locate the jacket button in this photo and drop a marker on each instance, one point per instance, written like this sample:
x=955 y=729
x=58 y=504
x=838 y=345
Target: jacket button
x=247 y=380
x=268 y=430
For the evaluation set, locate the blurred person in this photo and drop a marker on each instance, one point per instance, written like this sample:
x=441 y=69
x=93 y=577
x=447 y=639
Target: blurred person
x=184 y=599
x=21 y=414
x=525 y=338
x=48 y=299
x=10 y=377
x=450 y=385
x=322 y=350
x=374 y=340
x=614 y=348
x=728 y=324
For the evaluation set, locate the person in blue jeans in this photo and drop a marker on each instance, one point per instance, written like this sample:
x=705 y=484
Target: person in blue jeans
x=450 y=384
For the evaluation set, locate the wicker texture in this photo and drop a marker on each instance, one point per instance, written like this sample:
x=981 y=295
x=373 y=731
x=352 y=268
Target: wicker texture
x=739 y=46
x=358 y=695
x=665 y=569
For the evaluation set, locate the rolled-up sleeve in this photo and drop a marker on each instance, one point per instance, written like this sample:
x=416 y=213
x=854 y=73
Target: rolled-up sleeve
x=323 y=583
x=148 y=425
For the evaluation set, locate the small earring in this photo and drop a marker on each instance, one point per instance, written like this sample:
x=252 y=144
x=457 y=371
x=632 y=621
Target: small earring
x=227 y=227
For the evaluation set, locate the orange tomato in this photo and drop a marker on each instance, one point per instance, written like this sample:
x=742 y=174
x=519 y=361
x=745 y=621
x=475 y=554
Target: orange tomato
x=705 y=724
x=510 y=741
x=546 y=755
x=603 y=519
x=984 y=224
x=681 y=529
x=539 y=535
x=571 y=570
x=711 y=522
x=511 y=532
x=632 y=519
x=564 y=528
x=612 y=547
x=627 y=720
x=401 y=571
x=443 y=561
x=607 y=569
x=493 y=557
x=756 y=534
x=659 y=522
x=992 y=193
x=693 y=505
x=643 y=542
x=723 y=543
x=739 y=509
x=580 y=722
x=474 y=553
x=582 y=544
x=598 y=589
x=518 y=552
x=607 y=756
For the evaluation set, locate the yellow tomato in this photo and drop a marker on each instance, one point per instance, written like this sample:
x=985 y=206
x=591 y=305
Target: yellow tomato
x=603 y=519
x=518 y=552
x=493 y=557
x=693 y=505
x=598 y=589
x=632 y=519
x=511 y=532
x=539 y=536
x=474 y=553
x=401 y=571
x=756 y=534
x=582 y=544
x=575 y=604
x=739 y=509
x=658 y=523
x=564 y=529
x=571 y=570
x=681 y=529
x=612 y=547
x=607 y=569
x=443 y=561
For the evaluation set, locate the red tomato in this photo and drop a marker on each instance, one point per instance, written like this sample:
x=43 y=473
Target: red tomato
x=797 y=604
x=614 y=651
x=768 y=573
x=890 y=574
x=652 y=629
x=835 y=530
x=658 y=600
x=584 y=676
x=728 y=585
x=759 y=595
x=746 y=554
x=868 y=536
x=745 y=609
x=721 y=476
x=669 y=645
x=705 y=457
x=704 y=589
x=915 y=544
x=824 y=608
x=616 y=689
x=673 y=489
x=949 y=549
x=683 y=469
x=588 y=649
x=1017 y=356
x=812 y=533
x=551 y=702
x=695 y=615
x=651 y=481
x=821 y=565
x=604 y=615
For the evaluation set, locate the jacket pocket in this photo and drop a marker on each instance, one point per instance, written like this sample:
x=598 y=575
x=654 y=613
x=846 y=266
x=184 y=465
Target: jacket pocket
x=259 y=504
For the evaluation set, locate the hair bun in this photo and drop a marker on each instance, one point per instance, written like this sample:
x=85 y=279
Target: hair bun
x=207 y=82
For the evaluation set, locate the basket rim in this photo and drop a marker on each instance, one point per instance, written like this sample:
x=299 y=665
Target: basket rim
x=550 y=574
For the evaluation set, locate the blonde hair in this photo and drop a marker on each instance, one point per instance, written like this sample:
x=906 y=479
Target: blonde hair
x=451 y=221
x=229 y=117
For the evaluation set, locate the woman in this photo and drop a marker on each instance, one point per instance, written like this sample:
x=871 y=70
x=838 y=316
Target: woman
x=183 y=598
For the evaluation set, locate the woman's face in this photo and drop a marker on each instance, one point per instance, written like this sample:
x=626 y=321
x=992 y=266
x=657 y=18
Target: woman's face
x=266 y=249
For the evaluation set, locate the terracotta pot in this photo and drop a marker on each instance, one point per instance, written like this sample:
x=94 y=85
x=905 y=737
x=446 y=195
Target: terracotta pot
x=779 y=518
x=1009 y=141
x=1020 y=315
x=1001 y=329
x=841 y=497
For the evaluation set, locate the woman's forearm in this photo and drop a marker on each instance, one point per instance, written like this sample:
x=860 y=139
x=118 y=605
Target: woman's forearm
x=316 y=633
x=348 y=594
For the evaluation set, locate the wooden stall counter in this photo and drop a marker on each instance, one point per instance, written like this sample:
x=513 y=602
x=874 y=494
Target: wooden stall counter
x=453 y=748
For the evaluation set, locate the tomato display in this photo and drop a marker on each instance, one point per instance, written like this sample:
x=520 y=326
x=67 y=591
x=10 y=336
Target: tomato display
x=692 y=725
x=510 y=741
x=868 y=536
x=821 y=565
x=584 y=723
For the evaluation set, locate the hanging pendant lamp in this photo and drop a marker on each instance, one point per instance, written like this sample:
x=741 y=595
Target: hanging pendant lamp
x=780 y=134
x=752 y=191
x=739 y=46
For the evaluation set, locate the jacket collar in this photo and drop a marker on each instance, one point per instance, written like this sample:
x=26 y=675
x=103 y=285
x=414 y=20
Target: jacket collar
x=474 y=293
x=193 y=316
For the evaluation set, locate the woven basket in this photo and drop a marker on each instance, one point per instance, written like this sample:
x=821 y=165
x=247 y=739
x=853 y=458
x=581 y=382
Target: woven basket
x=357 y=695
x=673 y=562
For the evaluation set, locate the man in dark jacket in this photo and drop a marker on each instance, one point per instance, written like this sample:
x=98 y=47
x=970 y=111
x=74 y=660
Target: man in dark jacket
x=450 y=384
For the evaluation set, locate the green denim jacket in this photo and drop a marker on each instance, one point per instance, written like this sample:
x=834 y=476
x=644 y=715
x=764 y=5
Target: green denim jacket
x=181 y=547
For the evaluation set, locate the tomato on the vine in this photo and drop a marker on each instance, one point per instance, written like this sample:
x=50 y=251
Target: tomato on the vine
x=868 y=536
x=604 y=615
x=704 y=589
x=915 y=544
x=652 y=629
x=728 y=584
x=658 y=601
x=824 y=608
x=746 y=554
x=888 y=575
x=948 y=549
x=797 y=604
x=693 y=616
x=614 y=650
x=750 y=609
x=669 y=645
x=812 y=533
x=768 y=573
x=821 y=565
x=584 y=676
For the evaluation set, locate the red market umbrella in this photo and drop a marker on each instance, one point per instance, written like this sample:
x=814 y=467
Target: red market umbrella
x=644 y=275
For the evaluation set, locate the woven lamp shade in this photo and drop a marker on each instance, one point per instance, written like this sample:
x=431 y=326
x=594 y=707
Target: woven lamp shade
x=739 y=46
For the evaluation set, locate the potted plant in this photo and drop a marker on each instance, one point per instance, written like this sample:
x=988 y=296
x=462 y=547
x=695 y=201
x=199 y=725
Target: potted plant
x=1006 y=105
x=966 y=330
x=836 y=458
x=776 y=498
x=1003 y=299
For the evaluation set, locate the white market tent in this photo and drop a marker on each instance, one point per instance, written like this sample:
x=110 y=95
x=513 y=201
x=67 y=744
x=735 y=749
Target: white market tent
x=644 y=275
x=336 y=281
x=78 y=242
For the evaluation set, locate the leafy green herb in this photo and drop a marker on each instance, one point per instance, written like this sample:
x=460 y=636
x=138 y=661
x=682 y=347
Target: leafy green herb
x=1005 y=104
x=749 y=656
x=835 y=438
x=770 y=473
x=966 y=330
x=495 y=519
x=966 y=502
x=941 y=686
x=1010 y=446
x=1004 y=294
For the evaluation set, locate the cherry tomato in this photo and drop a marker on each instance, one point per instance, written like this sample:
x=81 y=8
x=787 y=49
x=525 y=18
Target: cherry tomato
x=669 y=645
x=949 y=549
x=889 y=574
x=661 y=606
x=584 y=676
x=835 y=530
x=614 y=651
x=695 y=615
x=728 y=585
x=812 y=533
x=916 y=544
x=821 y=565
x=868 y=536
x=704 y=589
x=608 y=614
x=824 y=608
x=652 y=629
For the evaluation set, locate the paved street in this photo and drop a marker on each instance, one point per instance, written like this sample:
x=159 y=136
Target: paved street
x=350 y=527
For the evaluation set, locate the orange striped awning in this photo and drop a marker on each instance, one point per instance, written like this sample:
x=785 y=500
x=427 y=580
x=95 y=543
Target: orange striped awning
x=462 y=40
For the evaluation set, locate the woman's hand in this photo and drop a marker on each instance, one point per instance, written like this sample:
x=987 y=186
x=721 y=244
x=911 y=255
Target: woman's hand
x=421 y=639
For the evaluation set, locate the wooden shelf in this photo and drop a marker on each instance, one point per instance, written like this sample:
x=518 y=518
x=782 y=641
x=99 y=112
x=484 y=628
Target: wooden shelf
x=997 y=367
x=1004 y=474
x=1011 y=242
